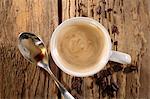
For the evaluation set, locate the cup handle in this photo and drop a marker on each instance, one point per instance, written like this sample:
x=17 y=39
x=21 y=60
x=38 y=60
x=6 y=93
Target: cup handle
x=120 y=57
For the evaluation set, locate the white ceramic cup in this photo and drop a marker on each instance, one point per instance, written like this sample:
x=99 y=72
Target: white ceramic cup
x=107 y=54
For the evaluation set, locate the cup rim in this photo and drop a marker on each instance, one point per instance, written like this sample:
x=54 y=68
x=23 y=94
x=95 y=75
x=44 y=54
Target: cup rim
x=55 y=55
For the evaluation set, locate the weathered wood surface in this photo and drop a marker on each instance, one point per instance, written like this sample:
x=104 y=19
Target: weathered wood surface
x=18 y=78
x=128 y=22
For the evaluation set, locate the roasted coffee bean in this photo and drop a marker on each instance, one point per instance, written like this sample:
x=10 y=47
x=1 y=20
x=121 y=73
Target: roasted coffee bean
x=103 y=84
x=117 y=68
x=114 y=87
x=97 y=82
x=109 y=71
x=104 y=93
x=110 y=90
x=107 y=91
x=130 y=69
x=95 y=75
x=76 y=84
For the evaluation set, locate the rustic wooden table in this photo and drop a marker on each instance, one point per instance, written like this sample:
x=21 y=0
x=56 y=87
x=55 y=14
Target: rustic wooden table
x=128 y=22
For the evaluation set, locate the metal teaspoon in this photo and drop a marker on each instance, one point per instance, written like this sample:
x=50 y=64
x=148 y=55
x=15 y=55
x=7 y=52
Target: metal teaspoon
x=33 y=49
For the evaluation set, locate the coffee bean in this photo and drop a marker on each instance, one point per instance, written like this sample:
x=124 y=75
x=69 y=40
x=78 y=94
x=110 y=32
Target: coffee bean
x=114 y=87
x=131 y=68
x=117 y=68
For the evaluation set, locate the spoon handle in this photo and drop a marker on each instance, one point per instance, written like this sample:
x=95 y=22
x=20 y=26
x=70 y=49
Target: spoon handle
x=62 y=89
x=67 y=95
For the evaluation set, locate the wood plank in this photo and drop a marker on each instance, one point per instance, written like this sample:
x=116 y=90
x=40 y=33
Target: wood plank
x=128 y=24
x=139 y=19
x=144 y=90
x=20 y=79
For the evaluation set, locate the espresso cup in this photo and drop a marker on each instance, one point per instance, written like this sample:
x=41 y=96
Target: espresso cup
x=101 y=50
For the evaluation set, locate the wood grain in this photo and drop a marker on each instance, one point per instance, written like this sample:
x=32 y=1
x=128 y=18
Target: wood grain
x=20 y=79
x=128 y=23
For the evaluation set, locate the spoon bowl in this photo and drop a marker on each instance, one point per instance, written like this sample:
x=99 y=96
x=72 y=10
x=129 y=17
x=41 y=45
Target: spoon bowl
x=33 y=48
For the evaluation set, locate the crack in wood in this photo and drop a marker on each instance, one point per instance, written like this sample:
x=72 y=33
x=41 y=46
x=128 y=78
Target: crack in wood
x=69 y=9
x=38 y=81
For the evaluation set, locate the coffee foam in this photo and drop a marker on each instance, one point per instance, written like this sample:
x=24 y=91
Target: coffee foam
x=80 y=46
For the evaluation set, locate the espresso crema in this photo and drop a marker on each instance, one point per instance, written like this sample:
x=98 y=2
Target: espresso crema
x=80 y=45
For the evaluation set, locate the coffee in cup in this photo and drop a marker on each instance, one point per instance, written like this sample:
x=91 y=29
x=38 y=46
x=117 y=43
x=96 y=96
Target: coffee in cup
x=80 y=46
